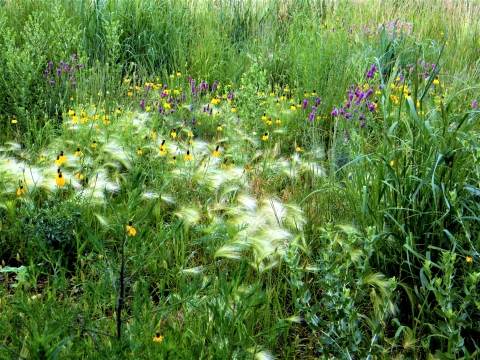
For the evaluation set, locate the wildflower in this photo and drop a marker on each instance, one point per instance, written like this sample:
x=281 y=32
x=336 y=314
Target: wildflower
x=71 y=112
x=59 y=178
x=247 y=168
x=293 y=108
x=14 y=121
x=264 y=117
x=277 y=103
x=158 y=338
x=79 y=176
x=436 y=81
x=130 y=229
x=42 y=158
x=224 y=164
x=265 y=137
x=147 y=108
x=468 y=259
x=219 y=127
x=188 y=156
x=174 y=160
x=335 y=112
x=269 y=122
x=57 y=161
x=139 y=151
x=392 y=163
x=474 y=104
x=216 y=153
x=298 y=149
x=78 y=152
x=173 y=134
x=127 y=80
x=314 y=93
x=233 y=109
x=20 y=190
x=94 y=144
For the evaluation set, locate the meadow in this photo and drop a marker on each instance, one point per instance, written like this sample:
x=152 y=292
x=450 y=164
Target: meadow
x=239 y=179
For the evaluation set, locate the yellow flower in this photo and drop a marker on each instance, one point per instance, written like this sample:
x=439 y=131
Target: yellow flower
x=75 y=118
x=264 y=117
x=265 y=137
x=224 y=165
x=127 y=80
x=392 y=163
x=118 y=111
x=130 y=229
x=219 y=127
x=154 y=135
x=42 y=158
x=174 y=160
x=59 y=178
x=233 y=109
x=71 y=112
x=20 y=190
x=79 y=176
x=63 y=158
x=173 y=134
x=129 y=93
x=147 y=108
x=190 y=134
x=78 y=152
x=298 y=149
x=158 y=338
x=94 y=145
x=139 y=151
x=14 y=121
x=216 y=153
x=269 y=122
x=179 y=73
x=436 y=81
x=468 y=259
x=188 y=156
x=293 y=108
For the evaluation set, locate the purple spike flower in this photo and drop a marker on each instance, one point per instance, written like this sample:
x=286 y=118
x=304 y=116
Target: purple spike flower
x=474 y=104
x=335 y=112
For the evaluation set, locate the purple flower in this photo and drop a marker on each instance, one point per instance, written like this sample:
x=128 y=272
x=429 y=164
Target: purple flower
x=348 y=116
x=369 y=92
x=363 y=124
x=194 y=121
x=142 y=103
x=74 y=84
x=311 y=117
x=214 y=86
x=45 y=74
x=319 y=101
x=183 y=96
x=348 y=104
x=361 y=117
x=52 y=82
x=314 y=108
x=305 y=102
x=335 y=112
x=342 y=112
x=74 y=56
x=59 y=72
x=50 y=66
x=474 y=104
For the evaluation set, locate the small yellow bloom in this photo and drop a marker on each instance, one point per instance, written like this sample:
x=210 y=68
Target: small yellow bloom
x=278 y=121
x=436 y=81
x=147 y=108
x=158 y=338
x=223 y=166
x=174 y=160
x=293 y=108
x=130 y=229
x=219 y=127
x=468 y=259
x=264 y=117
x=265 y=137
x=42 y=158
x=188 y=156
x=233 y=109
x=20 y=190
x=59 y=178
x=78 y=152
x=94 y=145
x=127 y=80
x=129 y=93
x=392 y=163
x=298 y=149
x=216 y=153
x=139 y=151
x=173 y=134
x=190 y=134
x=14 y=121
x=71 y=112
x=79 y=176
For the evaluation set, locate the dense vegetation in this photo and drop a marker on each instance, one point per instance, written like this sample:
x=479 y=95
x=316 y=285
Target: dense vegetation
x=239 y=179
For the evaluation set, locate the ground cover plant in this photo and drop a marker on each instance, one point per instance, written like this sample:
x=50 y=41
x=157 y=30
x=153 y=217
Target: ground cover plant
x=239 y=179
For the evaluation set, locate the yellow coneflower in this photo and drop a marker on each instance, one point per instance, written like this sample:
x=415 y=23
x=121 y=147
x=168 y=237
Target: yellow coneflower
x=139 y=151
x=59 y=178
x=75 y=118
x=247 y=168
x=78 y=152
x=71 y=112
x=190 y=134
x=179 y=74
x=147 y=108
x=14 y=121
x=392 y=163
x=173 y=134
x=293 y=107
x=42 y=158
x=436 y=81
x=298 y=149
x=233 y=109
x=162 y=146
x=468 y=259
x=219 y=127
x=188 y=156
x=265 y=137
x=154 y=134
x=264 y=117
x=79 y=176
x=269 y=122
x=20 y=190
x=158 y=338
x=130 y=229
x=58 y=162
x=94 y=144
x=62 y=158
x=174 y=160
x=216 y=153
x=314 y=93
x=118 y=111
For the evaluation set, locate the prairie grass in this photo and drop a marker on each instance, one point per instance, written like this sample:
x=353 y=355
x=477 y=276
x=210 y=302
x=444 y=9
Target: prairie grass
x=239 y=179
